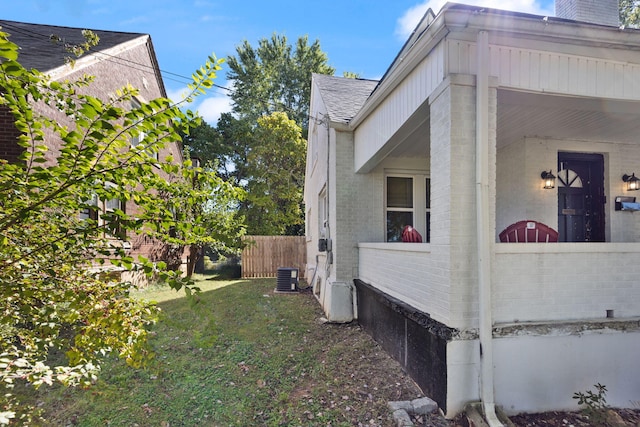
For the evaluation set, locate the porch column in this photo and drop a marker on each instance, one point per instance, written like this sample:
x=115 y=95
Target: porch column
x=453 y=202
x=454 y=223
x=351 y=215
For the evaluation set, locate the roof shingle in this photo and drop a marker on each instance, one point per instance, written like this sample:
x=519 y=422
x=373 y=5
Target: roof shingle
x=39 y=51
x=343 y=97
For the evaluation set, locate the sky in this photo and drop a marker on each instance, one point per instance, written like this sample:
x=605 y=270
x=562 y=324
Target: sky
x=359 y=36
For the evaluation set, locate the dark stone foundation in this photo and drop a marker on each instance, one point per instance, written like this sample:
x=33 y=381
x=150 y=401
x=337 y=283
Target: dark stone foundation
x=410 y=336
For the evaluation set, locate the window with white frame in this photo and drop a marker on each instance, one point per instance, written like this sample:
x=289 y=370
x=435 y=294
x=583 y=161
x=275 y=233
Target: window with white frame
x=91 y=210
x=407 y=202
x=97 y=210
x=427 y=210
x=323 y=217
x=110 y=206
x=138 y=138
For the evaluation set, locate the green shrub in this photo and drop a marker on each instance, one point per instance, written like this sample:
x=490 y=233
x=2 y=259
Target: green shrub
x=229 y=269
x=595 y=404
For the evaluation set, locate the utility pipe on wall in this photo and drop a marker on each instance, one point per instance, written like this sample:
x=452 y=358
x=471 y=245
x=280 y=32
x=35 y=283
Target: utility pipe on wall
x=483 y=228
x=329 y=253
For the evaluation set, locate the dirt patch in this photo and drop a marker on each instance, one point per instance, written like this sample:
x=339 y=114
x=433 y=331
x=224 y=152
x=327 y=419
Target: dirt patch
x=364 y=379
x=360 y=377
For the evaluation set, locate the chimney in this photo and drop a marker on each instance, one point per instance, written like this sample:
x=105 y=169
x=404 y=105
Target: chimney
x=603 y=12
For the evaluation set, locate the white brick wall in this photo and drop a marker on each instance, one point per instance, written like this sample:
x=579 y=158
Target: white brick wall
x=346 y=218
x=520 y=194
x=564 y=281
x=315 y=180
x=405 y=271
x=441 y=282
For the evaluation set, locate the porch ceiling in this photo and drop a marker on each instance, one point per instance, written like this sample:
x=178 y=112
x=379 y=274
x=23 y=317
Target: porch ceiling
x=523 y=114
x=413 y=139
x=594 y=119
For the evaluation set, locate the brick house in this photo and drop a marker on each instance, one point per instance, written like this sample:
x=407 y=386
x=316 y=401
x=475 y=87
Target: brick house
x=456 y=140
x=119 y=59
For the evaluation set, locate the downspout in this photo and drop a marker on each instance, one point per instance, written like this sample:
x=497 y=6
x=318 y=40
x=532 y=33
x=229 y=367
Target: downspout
x=328 y=236
x=483 y=228
x=329 y=255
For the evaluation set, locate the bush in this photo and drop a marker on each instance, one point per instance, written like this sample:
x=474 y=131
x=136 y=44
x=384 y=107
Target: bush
x=595 y=404
x=229 y=269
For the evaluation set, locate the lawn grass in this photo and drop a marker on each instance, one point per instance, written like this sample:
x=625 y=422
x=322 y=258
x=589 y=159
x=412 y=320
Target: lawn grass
x=242 y=356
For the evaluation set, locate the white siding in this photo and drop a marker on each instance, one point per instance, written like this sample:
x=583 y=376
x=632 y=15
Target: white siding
x=515 y=67
x=380 y=125
x=564 y=74
x=543 y=71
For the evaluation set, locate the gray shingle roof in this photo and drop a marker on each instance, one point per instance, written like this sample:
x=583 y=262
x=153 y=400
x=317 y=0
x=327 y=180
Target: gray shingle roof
x=38 y=51
x=343 y=97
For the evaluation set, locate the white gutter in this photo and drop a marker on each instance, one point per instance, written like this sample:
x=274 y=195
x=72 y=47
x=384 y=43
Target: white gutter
x=484 y=230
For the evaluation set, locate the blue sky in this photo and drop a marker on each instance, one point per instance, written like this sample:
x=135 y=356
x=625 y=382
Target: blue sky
x=361 y=36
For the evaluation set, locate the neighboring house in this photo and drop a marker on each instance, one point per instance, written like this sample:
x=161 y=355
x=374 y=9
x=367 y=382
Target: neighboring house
x=119 y=59
x=454 y=140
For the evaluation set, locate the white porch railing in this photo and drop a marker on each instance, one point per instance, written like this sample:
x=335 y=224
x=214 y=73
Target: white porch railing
x=405 y=271
x=565 y=281
x=530 y=281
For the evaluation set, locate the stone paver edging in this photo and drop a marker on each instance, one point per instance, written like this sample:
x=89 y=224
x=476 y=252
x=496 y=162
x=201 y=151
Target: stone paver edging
x=402 y=410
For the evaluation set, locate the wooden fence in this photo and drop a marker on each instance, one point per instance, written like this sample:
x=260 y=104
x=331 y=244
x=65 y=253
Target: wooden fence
x=264 y=254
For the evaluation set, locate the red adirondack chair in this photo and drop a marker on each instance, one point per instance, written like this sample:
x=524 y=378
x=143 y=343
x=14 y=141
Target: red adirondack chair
x=528 y=232
x=410 y=234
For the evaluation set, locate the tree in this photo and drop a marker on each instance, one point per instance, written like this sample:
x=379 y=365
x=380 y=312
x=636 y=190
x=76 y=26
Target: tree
x=200 y=208
x=226 y=146
x=350 y=75
x=276 y=163
x=58 y=313
x=275 y=77
x=630 y=13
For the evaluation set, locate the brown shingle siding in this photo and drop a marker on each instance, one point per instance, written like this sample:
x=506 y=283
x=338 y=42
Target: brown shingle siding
x=9 y=148
x=132 y=62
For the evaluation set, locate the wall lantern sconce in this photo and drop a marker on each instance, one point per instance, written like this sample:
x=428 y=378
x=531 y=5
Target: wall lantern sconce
x=633 y=182
x=549 y=180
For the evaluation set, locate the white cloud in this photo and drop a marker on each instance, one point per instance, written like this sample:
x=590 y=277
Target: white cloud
x=211 y=107
x=407 y=22
x=177 y=94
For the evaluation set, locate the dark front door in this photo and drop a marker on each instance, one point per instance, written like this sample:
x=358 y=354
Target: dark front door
x=580 y=197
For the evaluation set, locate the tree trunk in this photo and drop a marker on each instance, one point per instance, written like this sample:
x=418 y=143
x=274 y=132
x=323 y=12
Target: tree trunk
x=192 y=259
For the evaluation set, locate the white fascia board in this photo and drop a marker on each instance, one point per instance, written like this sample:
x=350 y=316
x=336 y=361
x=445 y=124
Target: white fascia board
x=95 y=57
x=502 y=25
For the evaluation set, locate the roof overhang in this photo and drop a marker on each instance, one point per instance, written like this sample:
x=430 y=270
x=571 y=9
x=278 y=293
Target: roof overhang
x=466 y=21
